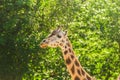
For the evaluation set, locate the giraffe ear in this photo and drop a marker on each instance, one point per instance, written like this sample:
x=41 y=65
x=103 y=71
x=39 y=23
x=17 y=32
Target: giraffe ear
x=65 y=33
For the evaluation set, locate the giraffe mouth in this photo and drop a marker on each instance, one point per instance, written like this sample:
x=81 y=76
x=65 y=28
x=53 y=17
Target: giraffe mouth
x=43 y=45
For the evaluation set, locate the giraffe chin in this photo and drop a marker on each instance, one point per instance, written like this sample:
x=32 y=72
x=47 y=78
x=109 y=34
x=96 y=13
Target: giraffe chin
x=43 y=45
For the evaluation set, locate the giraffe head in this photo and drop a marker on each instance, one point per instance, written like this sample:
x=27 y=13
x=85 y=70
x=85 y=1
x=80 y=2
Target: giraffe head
x=54 y=39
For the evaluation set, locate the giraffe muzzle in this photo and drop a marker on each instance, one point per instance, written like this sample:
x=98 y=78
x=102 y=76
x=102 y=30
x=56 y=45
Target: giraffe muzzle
x=43 y=45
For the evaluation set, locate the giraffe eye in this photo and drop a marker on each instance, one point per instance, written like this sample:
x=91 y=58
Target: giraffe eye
x=44 y=40
x=58 y=36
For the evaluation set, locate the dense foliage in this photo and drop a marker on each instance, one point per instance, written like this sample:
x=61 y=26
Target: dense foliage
x=93 y=28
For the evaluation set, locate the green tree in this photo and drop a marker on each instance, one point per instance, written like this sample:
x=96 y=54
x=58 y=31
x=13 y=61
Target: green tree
x=93 y=28
x=17 y=38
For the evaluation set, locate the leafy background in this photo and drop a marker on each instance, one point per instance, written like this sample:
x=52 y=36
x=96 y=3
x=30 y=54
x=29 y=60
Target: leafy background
x=93 y=27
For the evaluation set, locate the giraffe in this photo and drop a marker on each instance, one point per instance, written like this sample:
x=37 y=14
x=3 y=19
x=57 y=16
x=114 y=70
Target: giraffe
x=58 y=38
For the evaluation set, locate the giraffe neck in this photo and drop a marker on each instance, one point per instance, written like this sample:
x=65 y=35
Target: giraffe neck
x=73 y=65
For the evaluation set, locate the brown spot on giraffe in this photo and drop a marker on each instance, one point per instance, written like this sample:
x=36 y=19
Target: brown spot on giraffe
x=72 y=56
x=68 y=44
x=61 y=44
x=83 y=73
x=78 y=71
x=65 y=46
x=77 y=78
x=76 y=63
x=63 y=41
x=84 y=79
x=65 y=52
x=70 y=50
x=67 y=40
x=88 y=78
x=68 y=61
x=73 y=69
